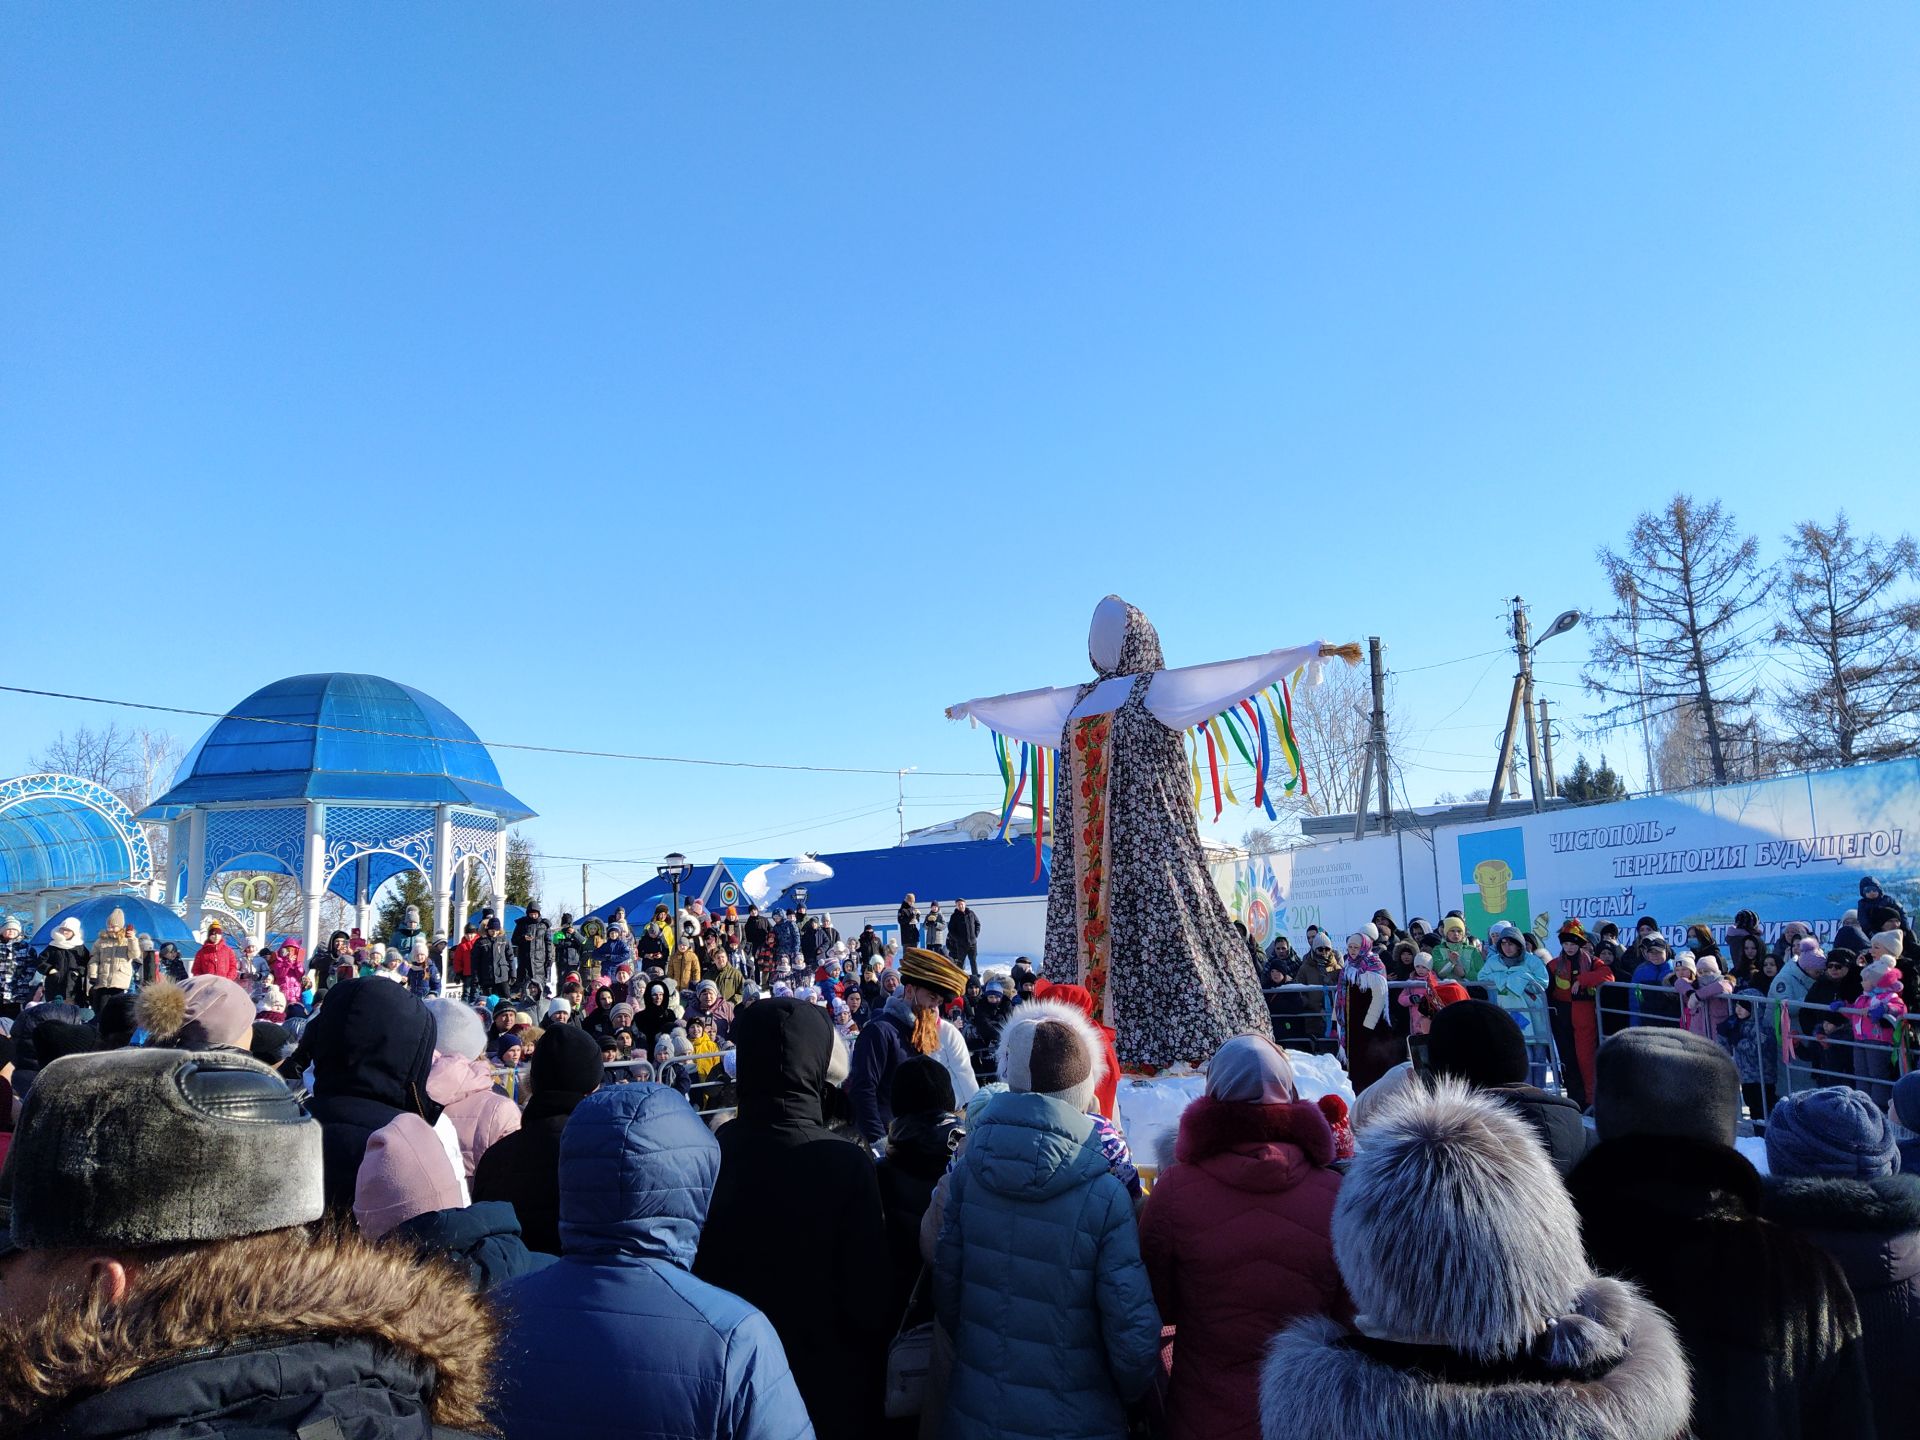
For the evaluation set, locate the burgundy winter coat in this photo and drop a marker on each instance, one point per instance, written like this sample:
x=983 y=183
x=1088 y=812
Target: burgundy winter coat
x=1238 y=1240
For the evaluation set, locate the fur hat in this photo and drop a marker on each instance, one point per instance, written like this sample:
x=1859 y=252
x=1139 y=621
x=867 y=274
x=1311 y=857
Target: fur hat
x=1657 y=1081
x=1831 y=1133
x=458 y=1029
x=153 y=1147
x=1478 y=1042
x=406 y=1172
x=1050 y=1048
x=1481 y=1285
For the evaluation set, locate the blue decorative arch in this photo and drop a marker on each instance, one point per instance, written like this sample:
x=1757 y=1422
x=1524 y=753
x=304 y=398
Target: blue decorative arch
x=64 y=832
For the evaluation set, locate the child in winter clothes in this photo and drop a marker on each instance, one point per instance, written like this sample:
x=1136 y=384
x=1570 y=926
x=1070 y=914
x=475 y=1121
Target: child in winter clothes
x=1703 y=997
x=1875 y=1015
x=1743 y=1035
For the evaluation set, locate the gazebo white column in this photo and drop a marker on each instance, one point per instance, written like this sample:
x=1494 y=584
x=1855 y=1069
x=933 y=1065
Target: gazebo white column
x=313 y=878
x=362 y=900
x=500 y=874
x=196 y=869
x=442 y=877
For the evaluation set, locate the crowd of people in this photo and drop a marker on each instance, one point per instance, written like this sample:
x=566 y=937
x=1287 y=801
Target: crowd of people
x=692 y=1181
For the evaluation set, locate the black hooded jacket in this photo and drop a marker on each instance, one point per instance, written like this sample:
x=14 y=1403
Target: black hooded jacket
x=1767 y=1319
x=524 y=1168
x=372 y=1049
x=831 y=1299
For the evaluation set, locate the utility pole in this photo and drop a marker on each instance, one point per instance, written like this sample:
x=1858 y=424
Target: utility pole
x=1380 y=775
x=1546 y=745
x=583 y=891
x=1525 y=652
x=900 y=800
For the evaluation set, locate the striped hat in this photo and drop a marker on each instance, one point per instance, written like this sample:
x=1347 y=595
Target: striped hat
x=933 y=971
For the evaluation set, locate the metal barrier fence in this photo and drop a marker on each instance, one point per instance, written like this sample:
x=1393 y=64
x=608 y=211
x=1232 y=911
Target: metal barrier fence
x=703 y=1079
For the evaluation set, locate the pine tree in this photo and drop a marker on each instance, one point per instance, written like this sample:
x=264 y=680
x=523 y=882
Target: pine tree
x=1687 y=582
x=1588 y=786
x=1850 y=634
x=523 y=878
x=409 y=887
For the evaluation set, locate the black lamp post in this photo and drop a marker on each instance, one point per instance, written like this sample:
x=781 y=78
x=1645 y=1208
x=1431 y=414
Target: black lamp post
x=674 y=871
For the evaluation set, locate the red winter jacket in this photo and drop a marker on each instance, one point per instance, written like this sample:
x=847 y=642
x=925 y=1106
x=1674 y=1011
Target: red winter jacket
x=1238 y=1240
x=1107 y=1092
x=460 y=959
x=217 y=958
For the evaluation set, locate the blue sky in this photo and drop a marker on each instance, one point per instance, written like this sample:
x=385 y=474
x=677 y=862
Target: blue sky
x=752 y=381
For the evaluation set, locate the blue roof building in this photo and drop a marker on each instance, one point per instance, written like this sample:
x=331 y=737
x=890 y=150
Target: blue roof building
x=338 y=782
x=64 y=839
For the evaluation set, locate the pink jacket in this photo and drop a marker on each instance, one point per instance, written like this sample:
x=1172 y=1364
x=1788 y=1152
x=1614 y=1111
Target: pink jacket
x=464 y=1088
x=1706 y=1004
x=1873 y=1013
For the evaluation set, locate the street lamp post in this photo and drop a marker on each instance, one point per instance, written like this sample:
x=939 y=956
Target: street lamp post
x=674 y=870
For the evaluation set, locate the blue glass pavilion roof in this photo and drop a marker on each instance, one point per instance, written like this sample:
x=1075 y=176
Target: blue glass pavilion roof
x=340 y=737
x=54 y=842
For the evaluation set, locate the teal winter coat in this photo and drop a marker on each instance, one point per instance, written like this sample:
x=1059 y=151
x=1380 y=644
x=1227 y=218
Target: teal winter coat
x=1039 y=1281
x=1518 y=987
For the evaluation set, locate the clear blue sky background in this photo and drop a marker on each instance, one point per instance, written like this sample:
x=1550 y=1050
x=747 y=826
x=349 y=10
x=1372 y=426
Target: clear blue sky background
x=754 y=380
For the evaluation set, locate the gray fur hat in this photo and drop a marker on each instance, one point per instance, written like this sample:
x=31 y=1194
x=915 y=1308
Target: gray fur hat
x=131 y=1148
x=1496 y=1253
x=1653 y=1080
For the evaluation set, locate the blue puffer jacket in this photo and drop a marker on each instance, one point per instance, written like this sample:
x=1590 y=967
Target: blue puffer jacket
x=675 y=1356
x=1039 y=1281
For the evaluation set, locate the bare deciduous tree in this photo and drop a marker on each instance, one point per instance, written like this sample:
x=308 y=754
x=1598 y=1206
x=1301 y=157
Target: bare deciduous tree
x=1689 y=581
x=1332 y=724
x=1850 y=636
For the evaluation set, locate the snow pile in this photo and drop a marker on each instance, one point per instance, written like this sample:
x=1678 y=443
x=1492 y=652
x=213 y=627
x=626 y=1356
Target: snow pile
x=1150 y=1107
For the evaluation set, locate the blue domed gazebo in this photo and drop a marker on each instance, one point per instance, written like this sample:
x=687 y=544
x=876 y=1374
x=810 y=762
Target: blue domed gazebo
x=339 y=782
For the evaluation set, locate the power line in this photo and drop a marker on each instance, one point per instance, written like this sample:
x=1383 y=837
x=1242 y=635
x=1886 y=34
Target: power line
x=492 y=744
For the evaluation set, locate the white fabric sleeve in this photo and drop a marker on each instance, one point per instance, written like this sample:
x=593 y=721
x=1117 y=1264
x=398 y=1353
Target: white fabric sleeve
x=953 y=1054
x=1183 y=697
x=1037 y=716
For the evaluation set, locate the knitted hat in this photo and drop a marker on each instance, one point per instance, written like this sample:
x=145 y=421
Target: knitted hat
x=1707 y=968
x=1877 y=972
x=932 y=971
x=921 y=1085
x=1573 y=930
x=1657 y=1081
x=1832 y=1133
x=1480 y=1284
x=406 y=1172
x=1454 y=928
x=153 y=1147
x=457 y=1028
x=1478 y=1042
x=1888 y=943
x=1334 y=1110
x=1050 y=1048
x=566 y=1059
x=1250 y=1070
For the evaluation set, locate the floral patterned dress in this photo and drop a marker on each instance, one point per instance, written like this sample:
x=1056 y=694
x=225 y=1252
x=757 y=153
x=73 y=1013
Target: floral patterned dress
x=1132 y=913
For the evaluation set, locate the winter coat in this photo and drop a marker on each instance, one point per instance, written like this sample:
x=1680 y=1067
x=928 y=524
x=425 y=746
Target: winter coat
x=919 y=1149
x=1703 y=1005
x=683 y=969
x=1038 y=1280
x=289 y=973
x=1519 y=987
x=216 y=957
x=1238 y=1240
x=482 y=1238
x=1653 y=997
x=1873 y=1015
x=570 y=951
x=523 y=1168
x=933 y=930
x=371 y=1045
x=1322 y=1380
x=786 y=939
x=615 y=952
x=1746 y=1040
x=480 y=1114
x=533 y=946
x=883 y=1044
x=402 y=1352
x=113 y=962
x=671 y=1354
x=460 y=958
x=1872 y=1228
x=963 y=934
x=728 y=980
x=1767 y=1318
x=493 y=962
x=1556 y=1119
x=653 y=945
x=829 y=1298
x=16 y=969
x=909 y=919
